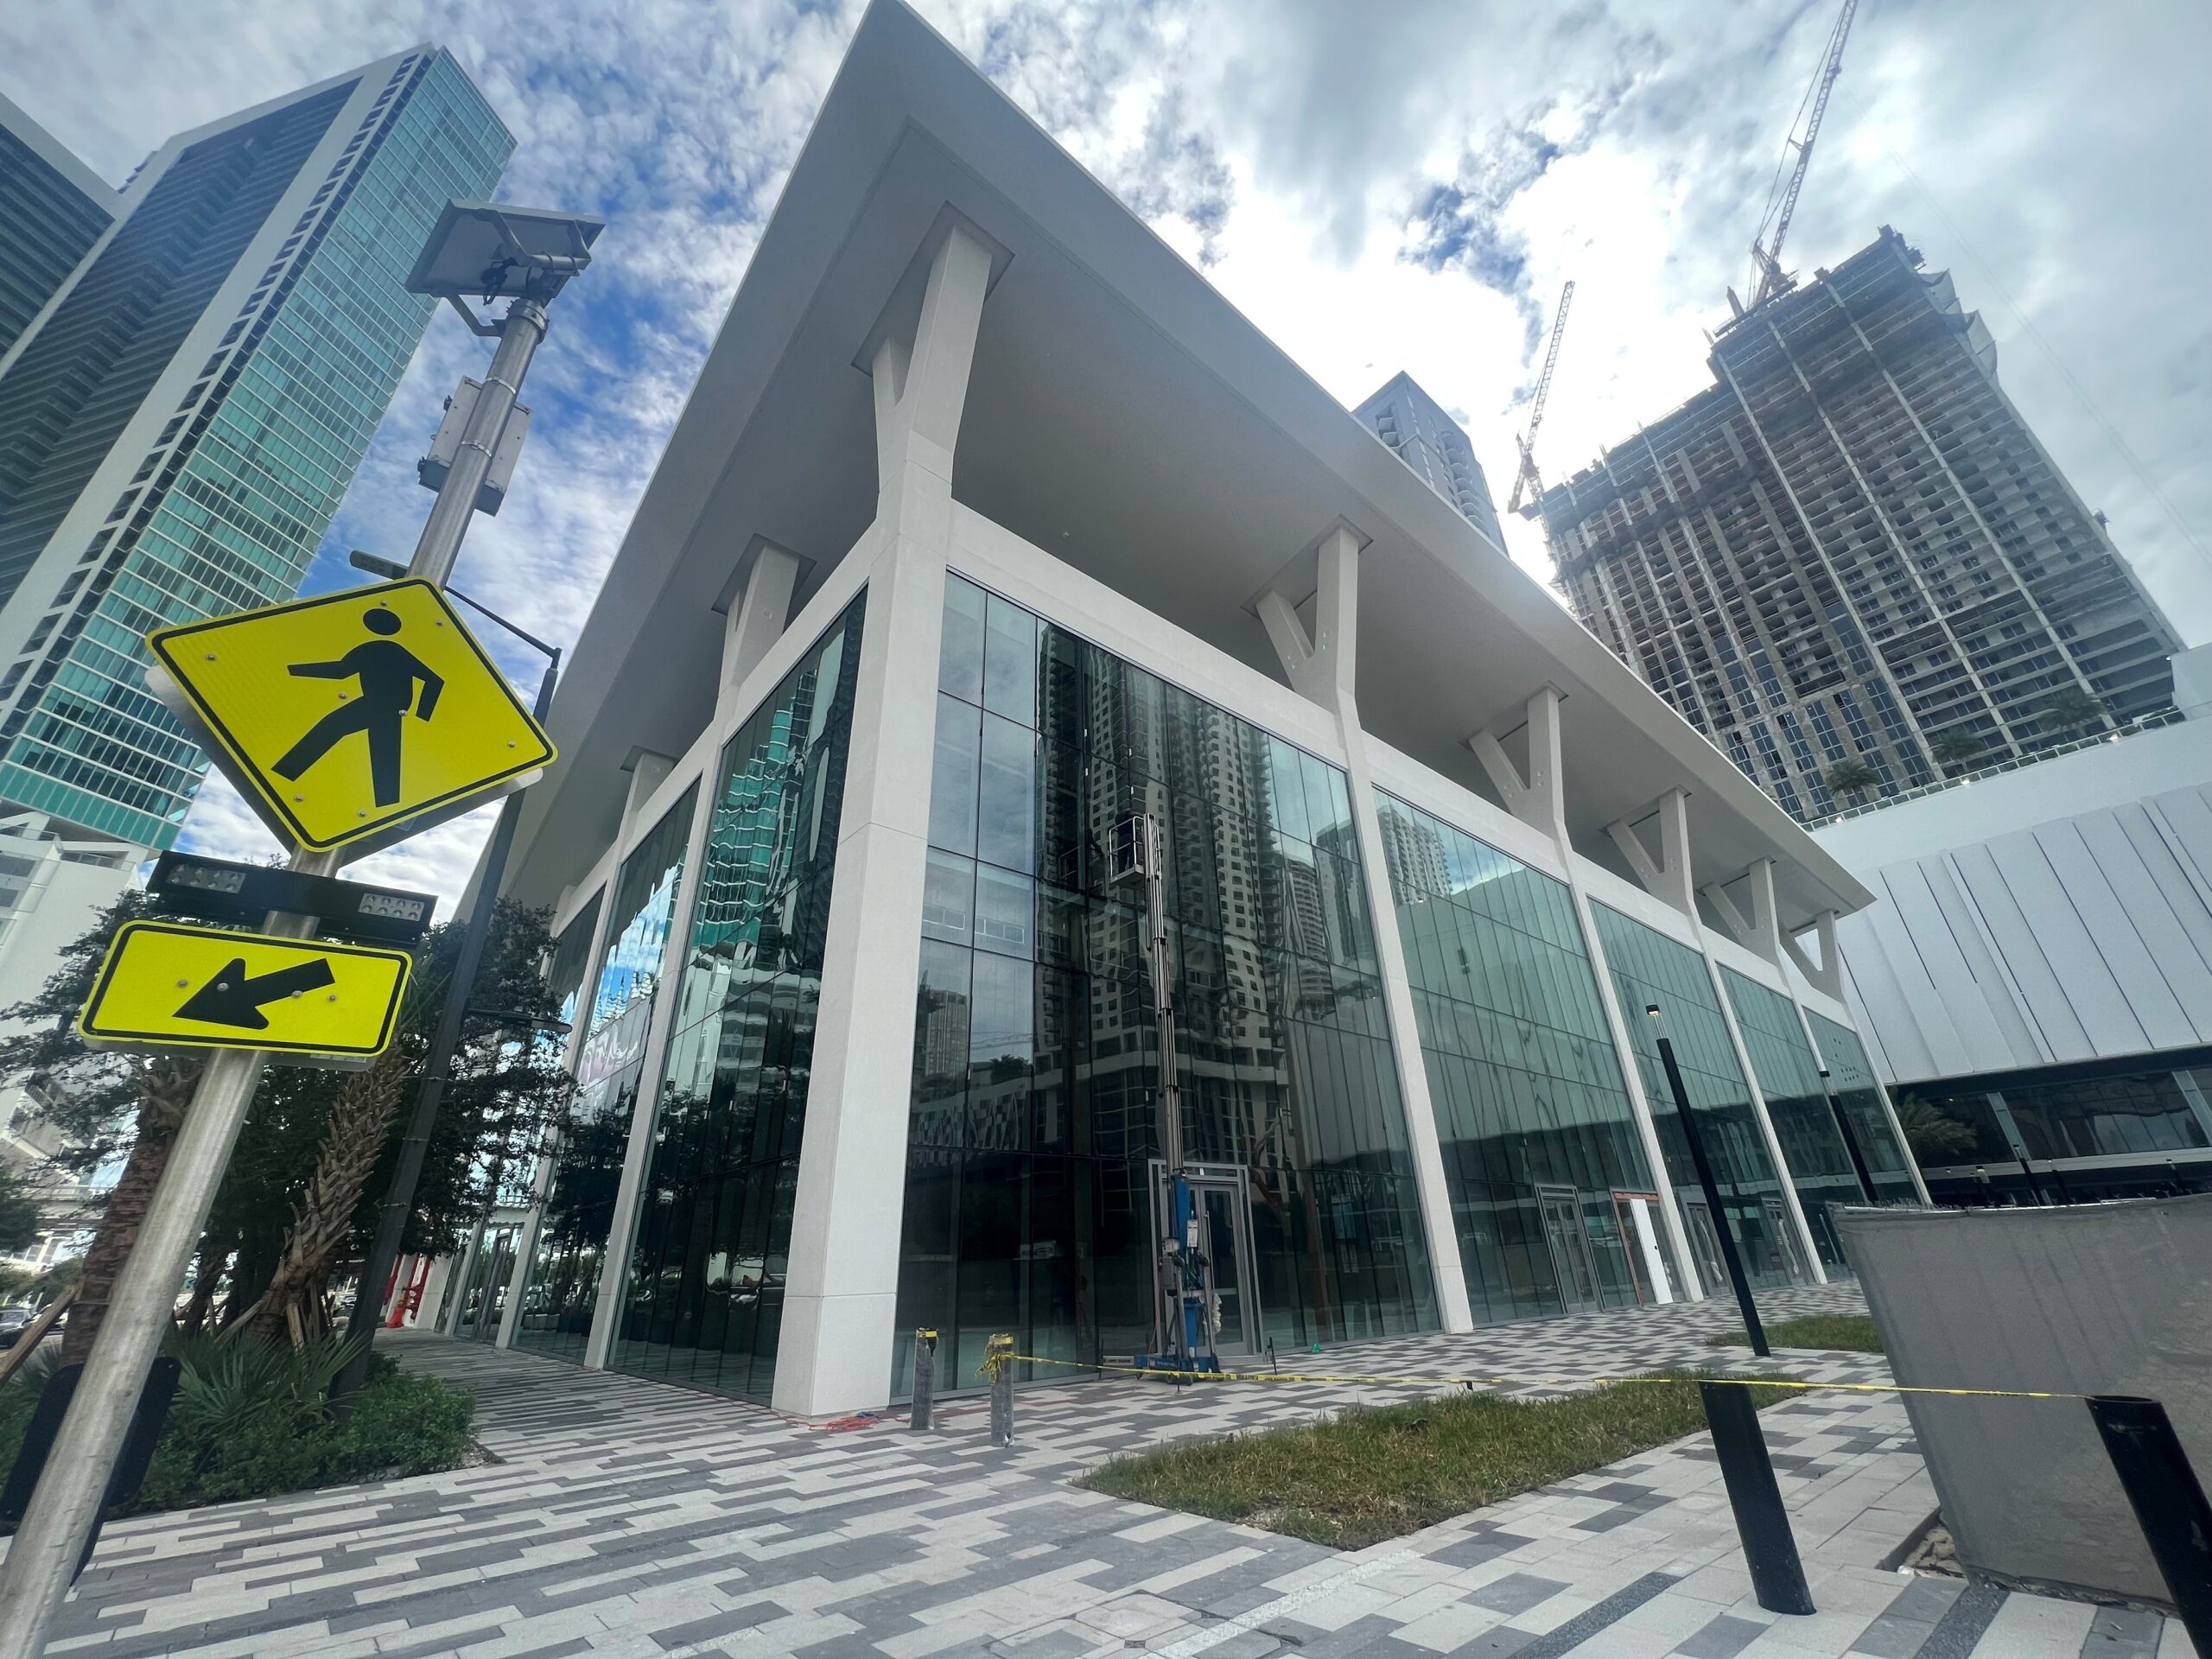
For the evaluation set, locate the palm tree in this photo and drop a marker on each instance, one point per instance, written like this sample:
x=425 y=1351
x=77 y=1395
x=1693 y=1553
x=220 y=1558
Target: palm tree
x=2070 y=710
x=1956 y=747
x=1852 y=777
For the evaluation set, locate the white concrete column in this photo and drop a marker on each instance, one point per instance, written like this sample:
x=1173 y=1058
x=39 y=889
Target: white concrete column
x=1535 y=799
x=1323 y=670
x=841 y=1287
x=647 y=771
x=526 y=1247
x=1790 y=1201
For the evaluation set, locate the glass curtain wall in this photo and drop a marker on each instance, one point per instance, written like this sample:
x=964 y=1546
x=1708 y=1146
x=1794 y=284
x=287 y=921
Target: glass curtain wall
x=1649 y=968
x=1852 y=1076
x=1532 y=1111
x=561 y=1254
x=705 y=1301
x=563 y=1290
x=1789 y=1078
x=1032 y=1134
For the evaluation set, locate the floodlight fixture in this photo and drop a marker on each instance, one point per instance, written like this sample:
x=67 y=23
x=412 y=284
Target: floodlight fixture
x=493 y=251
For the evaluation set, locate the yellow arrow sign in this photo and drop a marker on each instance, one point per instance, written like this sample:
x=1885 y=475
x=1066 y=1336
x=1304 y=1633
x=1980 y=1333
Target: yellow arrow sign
x=347 y=717
x=172 y=986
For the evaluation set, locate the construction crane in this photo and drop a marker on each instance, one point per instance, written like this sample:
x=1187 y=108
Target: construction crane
x=1530 y=485
x=1767 y=277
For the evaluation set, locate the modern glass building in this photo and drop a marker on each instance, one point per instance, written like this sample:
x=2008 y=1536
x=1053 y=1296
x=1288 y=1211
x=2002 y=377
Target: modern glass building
x=990 y=529
x=52 y=208
x=178 y=427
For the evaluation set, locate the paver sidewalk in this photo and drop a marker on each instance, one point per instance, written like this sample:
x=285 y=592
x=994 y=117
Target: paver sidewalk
x=632 y=1518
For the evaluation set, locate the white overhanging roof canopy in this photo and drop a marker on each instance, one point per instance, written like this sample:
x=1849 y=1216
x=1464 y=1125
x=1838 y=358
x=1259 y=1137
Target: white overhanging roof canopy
x=1126 y=418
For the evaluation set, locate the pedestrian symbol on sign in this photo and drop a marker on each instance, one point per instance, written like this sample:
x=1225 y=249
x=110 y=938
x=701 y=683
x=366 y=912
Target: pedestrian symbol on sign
x=354 y=719
x=388 y=673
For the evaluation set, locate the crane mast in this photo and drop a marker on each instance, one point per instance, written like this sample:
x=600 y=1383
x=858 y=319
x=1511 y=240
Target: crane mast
x=1529 y=485
x=1766 y=252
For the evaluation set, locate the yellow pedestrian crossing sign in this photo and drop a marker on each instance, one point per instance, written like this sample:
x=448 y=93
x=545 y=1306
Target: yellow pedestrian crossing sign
x=356 y=716
x=170 y=986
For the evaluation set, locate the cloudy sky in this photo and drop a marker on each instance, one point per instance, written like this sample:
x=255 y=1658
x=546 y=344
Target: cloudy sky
x=1378 y=186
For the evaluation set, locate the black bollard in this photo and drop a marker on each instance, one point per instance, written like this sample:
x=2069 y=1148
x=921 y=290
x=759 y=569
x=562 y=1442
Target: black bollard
x=1769 y=1547
x=925 y=1379
x=2168 y=1504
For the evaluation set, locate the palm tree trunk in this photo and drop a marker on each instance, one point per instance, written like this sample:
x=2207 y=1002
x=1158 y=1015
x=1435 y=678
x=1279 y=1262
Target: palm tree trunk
x=291 y=1309
x=214 y=1256
x=165 y=1090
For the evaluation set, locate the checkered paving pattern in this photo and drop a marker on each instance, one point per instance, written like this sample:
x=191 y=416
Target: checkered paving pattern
x=632 y=1518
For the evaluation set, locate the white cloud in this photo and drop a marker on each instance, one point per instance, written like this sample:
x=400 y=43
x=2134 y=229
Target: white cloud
x=1378 y=187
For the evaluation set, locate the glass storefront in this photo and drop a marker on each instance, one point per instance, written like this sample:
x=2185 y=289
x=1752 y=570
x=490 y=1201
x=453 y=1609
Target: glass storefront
x=1852 y=1079
x=564 y=1288
x=1649 y=968
x=1542 y=1154
x=1789 y=1078
x=1032 y=1134
x=704 y=1299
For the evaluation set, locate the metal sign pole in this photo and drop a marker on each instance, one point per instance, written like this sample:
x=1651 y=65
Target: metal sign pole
x=42 y=1559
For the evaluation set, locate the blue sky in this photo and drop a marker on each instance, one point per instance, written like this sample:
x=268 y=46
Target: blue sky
x=1378 y=187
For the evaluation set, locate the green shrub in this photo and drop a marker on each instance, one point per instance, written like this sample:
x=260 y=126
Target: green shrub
x=250 y=1420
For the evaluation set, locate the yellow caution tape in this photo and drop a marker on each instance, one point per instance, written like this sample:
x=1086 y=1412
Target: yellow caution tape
x=1527 y=1382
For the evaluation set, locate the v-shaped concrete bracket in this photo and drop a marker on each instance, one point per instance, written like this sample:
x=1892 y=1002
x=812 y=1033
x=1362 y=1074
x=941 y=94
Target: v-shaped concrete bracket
x=1667 y=876
x=1534 y=796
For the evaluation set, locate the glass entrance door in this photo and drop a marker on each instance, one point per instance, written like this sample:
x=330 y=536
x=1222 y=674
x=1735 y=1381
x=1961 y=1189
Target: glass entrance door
x=1224 y=1243
x=1570 y=1247
x=1223 y=1202
x=1705 y=1245
x=1793 y=1252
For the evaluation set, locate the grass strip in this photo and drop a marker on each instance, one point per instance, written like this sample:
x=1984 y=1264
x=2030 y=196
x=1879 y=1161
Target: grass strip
x=1373 y=1473
x=1847 y=1332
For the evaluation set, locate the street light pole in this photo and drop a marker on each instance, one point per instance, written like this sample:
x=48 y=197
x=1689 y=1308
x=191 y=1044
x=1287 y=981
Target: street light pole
x=399 y=1200
x=529 y=256
x=1730 y=1256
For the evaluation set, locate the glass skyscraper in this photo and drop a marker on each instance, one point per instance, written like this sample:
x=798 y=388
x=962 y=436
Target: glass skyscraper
x=52 y=208
x=177 y=431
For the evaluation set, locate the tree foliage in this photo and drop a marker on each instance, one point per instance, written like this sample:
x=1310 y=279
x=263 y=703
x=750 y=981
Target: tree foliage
x=1935 y=1136
x=1852 y=777
x=342 y=1126
x=18 y=1211
x=2070 y=710
x=1955 y=746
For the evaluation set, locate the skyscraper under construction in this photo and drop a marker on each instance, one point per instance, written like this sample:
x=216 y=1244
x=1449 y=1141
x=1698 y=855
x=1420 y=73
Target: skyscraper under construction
x=1851 y=547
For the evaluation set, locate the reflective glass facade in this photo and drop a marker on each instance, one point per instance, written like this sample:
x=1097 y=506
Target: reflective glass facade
x=247 y=473
x=1540 y=1149
x=1032 y=1131
x=567 y=1253
x=1650 y=967
x=1851 y=1077
x=1789 y=1078
x=704 y=1299
x=48 y=220
x=563 y=1288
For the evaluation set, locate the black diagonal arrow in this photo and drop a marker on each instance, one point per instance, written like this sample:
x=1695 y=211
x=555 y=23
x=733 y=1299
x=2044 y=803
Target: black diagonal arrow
x=232 y=999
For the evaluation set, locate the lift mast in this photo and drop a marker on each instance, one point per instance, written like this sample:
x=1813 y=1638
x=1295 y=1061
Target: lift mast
x=1768 y=278
x=1529 y=485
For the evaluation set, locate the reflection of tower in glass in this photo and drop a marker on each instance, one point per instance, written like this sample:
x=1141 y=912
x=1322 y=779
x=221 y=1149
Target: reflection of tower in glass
x=1414 y=851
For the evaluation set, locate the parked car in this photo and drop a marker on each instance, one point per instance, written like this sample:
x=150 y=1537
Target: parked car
x=14 y=1321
